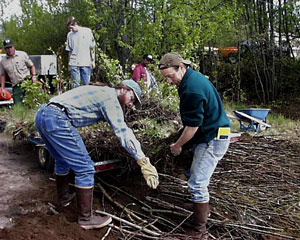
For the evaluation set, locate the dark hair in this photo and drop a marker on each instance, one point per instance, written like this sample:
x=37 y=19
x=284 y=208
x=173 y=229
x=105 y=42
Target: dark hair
x=148 y=57
x=71 y=20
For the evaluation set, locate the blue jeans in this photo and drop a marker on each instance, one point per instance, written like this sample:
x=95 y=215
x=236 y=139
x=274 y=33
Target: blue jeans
x=65 y=145
x=205 y=160
x=80 y=74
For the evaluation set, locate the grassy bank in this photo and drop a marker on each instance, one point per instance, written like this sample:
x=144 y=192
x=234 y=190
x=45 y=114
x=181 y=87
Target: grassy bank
x=19 y=116
x=281 y=125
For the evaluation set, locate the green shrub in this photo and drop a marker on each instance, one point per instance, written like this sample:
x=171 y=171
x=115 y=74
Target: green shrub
x=35 y=93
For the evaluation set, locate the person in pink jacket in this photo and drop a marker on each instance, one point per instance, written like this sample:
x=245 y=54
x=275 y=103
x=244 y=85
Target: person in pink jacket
x=140 y=72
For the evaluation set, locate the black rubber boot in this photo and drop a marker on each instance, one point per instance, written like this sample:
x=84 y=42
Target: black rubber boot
x=85 y=218
x=64 y=197
x=199 y=222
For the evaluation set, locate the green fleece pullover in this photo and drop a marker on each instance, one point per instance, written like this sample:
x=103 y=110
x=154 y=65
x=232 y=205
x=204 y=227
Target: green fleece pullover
x=201 y=106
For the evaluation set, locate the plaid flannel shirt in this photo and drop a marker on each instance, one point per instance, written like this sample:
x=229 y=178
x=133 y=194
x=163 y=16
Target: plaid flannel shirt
x=86 y=105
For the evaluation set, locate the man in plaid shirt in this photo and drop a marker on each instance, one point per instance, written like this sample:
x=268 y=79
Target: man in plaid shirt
x=57 y=121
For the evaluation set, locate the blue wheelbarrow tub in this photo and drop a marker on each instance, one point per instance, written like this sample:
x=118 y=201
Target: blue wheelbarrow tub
x=258 y=113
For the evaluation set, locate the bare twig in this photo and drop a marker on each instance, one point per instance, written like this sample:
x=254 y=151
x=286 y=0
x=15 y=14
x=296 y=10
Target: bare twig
x=144 y=229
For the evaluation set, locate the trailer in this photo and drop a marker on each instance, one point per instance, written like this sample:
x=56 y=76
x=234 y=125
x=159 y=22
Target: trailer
x=46 y=161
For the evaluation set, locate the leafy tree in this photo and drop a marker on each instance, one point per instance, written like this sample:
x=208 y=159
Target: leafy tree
x=126 y=29
x=270 y=29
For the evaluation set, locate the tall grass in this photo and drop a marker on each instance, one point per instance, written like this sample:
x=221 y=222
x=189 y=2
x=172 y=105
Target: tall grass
x=282 y=125
x=17 y=116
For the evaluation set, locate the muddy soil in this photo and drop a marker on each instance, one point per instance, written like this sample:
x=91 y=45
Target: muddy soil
x=21 y=182
x=25 y=194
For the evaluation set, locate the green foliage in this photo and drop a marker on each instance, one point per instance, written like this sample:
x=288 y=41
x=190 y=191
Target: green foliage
x=128 y=30
x=37 y=29
x=151 y=129
x=277 y=119
x=43 y=23
x=289 y=77
x=167 y=96
x=256 y=71
x=35 y=95
x=231 y=106
x=61 y=82
x=19 y=112
x=125 y=30
x=109 y=70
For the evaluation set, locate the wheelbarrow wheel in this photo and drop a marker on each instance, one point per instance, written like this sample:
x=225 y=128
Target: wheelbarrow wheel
x=45 y=160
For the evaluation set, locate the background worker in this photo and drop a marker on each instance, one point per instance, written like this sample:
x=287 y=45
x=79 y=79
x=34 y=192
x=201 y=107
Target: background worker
x=17 y=66
x=141 y=73
x=81 y=47
x=206 y=127
x=57 y=121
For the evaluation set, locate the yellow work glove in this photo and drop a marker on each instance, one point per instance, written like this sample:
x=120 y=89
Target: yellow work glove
x=149 y=172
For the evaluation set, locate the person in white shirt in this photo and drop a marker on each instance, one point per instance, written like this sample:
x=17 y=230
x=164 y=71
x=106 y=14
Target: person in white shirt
x=81 y=48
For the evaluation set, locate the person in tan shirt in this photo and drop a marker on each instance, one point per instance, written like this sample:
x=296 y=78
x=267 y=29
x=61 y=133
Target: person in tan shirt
x=17 y=66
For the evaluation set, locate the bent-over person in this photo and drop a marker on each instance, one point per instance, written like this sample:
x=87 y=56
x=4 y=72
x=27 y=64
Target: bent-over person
x=57 y=122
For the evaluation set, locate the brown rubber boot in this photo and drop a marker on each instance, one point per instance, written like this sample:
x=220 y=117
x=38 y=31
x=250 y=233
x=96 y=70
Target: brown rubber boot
x=199 y=221
x=189 y=206
x=64 y=198
x=84 y=204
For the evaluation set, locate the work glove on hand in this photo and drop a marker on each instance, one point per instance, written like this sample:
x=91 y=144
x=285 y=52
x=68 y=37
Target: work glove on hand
x=149 y=172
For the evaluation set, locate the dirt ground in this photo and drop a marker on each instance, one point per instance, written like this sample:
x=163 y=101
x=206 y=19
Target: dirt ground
x=25 y=194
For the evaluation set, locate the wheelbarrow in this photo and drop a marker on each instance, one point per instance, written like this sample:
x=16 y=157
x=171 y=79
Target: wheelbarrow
x=252 y=119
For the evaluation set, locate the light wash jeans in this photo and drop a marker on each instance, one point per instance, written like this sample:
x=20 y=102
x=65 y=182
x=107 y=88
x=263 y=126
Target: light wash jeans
x=205 y=160
x=65 y=145
x=80 y=75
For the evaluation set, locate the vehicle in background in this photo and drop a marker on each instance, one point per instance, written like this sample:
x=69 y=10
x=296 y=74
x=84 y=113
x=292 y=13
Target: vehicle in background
x=228 y=54
x=45 y=65
x=252 y=48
